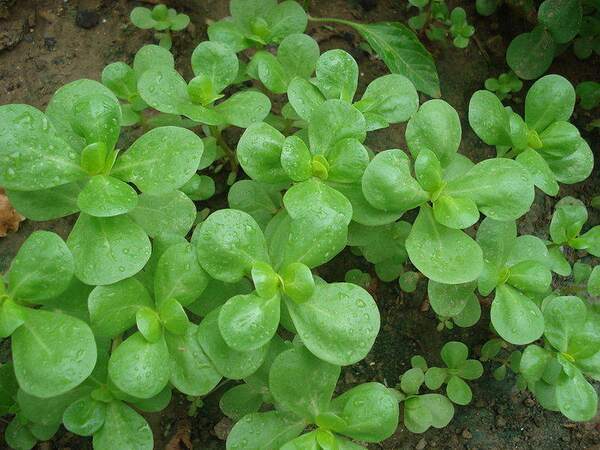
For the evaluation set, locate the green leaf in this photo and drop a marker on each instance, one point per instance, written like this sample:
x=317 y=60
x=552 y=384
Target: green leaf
x=435 y=127
x=411 y=380
x=151 y=57
x=297 y=282
x=287 y=18
x=32 y=155
x=435 y=377
x=458 y=391
x=362 y=211
x=428 y=410
x=228 y=33
x=497 y=240
x=443 y=254
x=240 y=400
x=173 y=317
x=530 y=276
x=244 y=108
x=369 y=410
x=501 y=188
x=161 y=160
x=529 y=55
x=533 y=362
x=454 y=354
x=140 y=368
x=593 y=284
x=142 y=18
x=105 y=196
x=107 y=249
x=470 y=314
x=121 y=79
x=539 y=170
x=516 y=318
x=576 y=398
x=170 y=213
x=41 y=270
x=179 y=275
x=349 y=337
x=248 y=322
x=217 y=62
x=550 y=99
x=52 y=353
x=455 y=212
x=489 y=119
x=261 y=201
x=113 y=307
x=271 y=72
x=229 y=362
x=337 y=75
x=402 y=52
x=565 y=318
x=85 y=416
x=259 y=153
x=46 y=204
x=217 y=293
x=298 y=54
x=562 y=18
x=574 y=167
x=191 y=371
x=296 y=159
x=18 y=435
x=333 y=121
x=123 y=428
x=448 y=300
x=291 y=392
x=387 y=183
x=276 y=428
x=347 y=159
x=229 y=243
x=393 y=97
x=304 y=97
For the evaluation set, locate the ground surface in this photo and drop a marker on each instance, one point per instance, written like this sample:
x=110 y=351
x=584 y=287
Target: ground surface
x=47 y=43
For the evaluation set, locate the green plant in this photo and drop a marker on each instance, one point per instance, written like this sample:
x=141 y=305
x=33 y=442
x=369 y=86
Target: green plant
x=358 y=277
x=544 y=142
x=589 y=94
x=559 y=23
x=555 y=373
x=505 y=85
x=438 y=22
x=422 y=411
x=161 y=19
x=367 y=412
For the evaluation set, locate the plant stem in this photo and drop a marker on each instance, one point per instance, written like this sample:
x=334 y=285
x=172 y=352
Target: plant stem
x=229 y=153
x=330 y=19
x=116 y=342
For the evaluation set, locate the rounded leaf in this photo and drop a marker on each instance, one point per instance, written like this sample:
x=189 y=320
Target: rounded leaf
x=105 y=196
x=550 y=99
x=515 y=317
x=217 y=62
x=529 y=55
x=123 y=428
x=85 y=416
x=259 y=153
x=171 y=213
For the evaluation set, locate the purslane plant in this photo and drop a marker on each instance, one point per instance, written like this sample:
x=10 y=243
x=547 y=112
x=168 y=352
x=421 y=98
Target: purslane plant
x=449 y=190
x=161 y=19
x=66 y=161
x=544 y=142
x=440 y=21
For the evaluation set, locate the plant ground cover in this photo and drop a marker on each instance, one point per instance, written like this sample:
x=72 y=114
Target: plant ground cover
x=499 y=417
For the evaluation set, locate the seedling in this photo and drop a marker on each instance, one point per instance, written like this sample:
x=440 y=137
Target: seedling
x=162 y=20
x=505 y=85
x=438 y=22
x=544 y=142
x=589 y=94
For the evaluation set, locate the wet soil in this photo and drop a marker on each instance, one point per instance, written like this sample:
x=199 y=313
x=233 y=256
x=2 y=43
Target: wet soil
x=47 y=43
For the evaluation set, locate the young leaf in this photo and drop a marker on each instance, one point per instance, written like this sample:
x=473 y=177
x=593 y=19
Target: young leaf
x=161 y=160
x=240 y=400
x=42 y=269
x=140 y=368
x=259 y=153
x=337 y=75
x=291 y=392
x=562 y=18
x=349 y=338
x=550 y=99
x=516 y=318
x=229 y=362
x=276 y=428
x=248 y=322
x=304 y=97
x=489 y=119
x=191 y=371
x=105 y=196
x=85 y=416
x=107 y=249
x=261 y=201
x=123 y=428
x=435 y=127
x=170 y=213
x=369 y=410
x=443 y=254
x=244 y=108
x=32 y=155
x=46 y=204
x=333 y=121
x=62 y=361
x=113 y=307
x=529 y=55
x=229 y=243
x=576 y=398
x=217 y=62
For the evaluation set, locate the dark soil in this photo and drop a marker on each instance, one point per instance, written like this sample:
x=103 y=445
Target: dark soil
x=47 y=43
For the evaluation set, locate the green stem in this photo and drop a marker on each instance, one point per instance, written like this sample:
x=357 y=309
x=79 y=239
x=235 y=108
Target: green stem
x=229 y=153
x=116 y=342
x=330 y=19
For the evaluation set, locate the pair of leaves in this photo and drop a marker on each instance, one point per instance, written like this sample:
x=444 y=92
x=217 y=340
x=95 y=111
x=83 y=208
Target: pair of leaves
x=456 y=301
